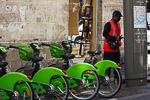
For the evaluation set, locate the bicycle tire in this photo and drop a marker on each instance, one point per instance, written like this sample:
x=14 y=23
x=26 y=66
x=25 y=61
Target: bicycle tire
x=61 y=90
x=80 y=92
x=111 y=83
x=25 y=88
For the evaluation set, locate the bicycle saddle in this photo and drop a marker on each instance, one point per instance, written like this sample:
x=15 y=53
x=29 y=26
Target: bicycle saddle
x=36 y=59
x=68 y=56
x=3 y=64
x=97 y=52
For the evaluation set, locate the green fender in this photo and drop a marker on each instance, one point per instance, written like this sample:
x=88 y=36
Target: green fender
x=76 y=70
x=104 y=65
x=44 y=75
x=9 y=80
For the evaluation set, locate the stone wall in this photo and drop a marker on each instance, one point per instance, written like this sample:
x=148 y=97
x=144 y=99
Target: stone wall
x=24 y=21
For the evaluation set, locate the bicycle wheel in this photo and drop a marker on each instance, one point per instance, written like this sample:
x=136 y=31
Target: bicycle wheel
x=23 y=91
x=89 y=87
x=59 y=88
x=112 y=83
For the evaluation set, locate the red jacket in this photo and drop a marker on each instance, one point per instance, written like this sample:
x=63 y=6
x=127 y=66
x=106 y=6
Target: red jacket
x=113 y=32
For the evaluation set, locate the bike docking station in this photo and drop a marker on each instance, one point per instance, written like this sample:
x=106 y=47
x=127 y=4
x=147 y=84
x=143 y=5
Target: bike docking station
x=135 y=42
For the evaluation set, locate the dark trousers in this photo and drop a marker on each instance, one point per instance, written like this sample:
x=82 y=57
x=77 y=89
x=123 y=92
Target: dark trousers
x=113 y=56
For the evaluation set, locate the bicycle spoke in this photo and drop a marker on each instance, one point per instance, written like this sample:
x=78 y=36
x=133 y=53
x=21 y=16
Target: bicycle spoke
x=24 y=95
x=112 y=86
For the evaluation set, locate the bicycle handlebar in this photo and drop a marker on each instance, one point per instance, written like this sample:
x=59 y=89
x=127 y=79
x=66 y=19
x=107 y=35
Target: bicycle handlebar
x=63 y=43
x=67 y=42
x=44 y=44
x=39 y=44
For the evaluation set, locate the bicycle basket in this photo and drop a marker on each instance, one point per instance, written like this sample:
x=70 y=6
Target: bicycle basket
x=55 y=50
x=25 y=52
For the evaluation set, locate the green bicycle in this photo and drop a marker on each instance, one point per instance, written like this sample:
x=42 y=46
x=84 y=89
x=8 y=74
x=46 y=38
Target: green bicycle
x=82 y=78
x=47 y=82
x=13 y=85
x=109 y=75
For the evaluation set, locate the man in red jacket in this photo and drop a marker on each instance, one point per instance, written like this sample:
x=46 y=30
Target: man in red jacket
x=112 y=33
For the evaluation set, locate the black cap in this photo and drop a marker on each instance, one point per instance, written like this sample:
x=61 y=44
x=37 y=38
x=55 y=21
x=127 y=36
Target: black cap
x=117 y=13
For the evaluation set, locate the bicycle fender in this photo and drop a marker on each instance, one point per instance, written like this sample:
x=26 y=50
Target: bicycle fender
x=9 y=80
x=76 y=70
x=104 y=65
x=44 y=75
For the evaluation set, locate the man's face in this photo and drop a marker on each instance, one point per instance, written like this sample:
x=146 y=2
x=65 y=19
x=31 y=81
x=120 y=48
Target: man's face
x=116 y=19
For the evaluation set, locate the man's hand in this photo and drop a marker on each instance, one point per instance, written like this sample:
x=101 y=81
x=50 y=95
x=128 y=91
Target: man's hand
x=118 y=38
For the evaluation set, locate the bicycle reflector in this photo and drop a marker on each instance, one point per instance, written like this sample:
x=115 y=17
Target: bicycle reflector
x=96 y=67
x=118 y=64
x=64 y=72
x=30 y=77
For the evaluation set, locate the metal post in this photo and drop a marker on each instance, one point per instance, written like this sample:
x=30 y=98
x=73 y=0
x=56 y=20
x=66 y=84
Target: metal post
x=135 y=42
